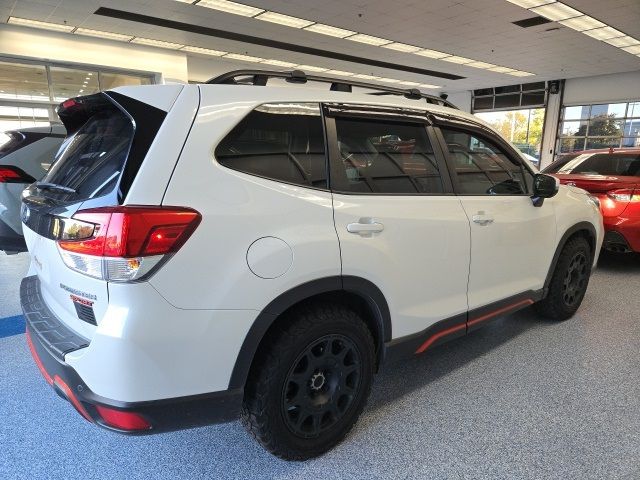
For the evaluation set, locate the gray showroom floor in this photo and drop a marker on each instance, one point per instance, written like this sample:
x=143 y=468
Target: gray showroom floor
x=521 y=398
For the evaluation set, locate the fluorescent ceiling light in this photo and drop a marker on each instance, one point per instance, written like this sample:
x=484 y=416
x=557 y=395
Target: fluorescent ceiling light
x=530 y=3
x=204 y=51
x=285 y=20
x=185 y=1
x=365 y=77
x=604 y=33
x=231 y=7
x=625 y=41
x=312 y=68
x=432 y=54
x=339 y=73
x=329 y=30
x=634 y=50
x=26 y=22
x=501 y=69
x=480 y=65
x=519 y=73
x=101 y=34
x=408 y=83
x=583 y=23
x=368 y=39
x=402 y=47
x=243 y=58
x=557 y=11
x=388 y=80
x=459 y=60
x=279 y=63
x=156 y=43
x=428 y=85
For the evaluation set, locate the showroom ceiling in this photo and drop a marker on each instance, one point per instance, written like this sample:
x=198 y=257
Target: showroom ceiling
x=481 y=31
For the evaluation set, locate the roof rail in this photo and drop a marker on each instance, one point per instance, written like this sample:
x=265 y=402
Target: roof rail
x=261 y=77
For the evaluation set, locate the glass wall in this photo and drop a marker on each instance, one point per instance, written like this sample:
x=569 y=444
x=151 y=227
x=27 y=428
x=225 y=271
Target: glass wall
x=30 y=91
x=588 y=127
x=521 y=127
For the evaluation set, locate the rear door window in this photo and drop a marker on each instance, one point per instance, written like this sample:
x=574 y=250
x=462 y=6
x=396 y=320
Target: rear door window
x=92 y=160
x=282 y=142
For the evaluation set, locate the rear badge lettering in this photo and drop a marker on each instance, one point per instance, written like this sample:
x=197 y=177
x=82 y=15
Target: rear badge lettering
x=78 y=293
x=81 y=301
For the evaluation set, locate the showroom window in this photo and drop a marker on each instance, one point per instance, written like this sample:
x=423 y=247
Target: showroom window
x=379 y=156
x=588 y=127
x=482 y=168
x=517 y=112
x=30 y=91
x=283 y=142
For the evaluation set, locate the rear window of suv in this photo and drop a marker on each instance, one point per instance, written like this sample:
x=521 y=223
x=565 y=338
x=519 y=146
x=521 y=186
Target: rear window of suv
x=92 y=160
x=598 y=164
x=283 y=142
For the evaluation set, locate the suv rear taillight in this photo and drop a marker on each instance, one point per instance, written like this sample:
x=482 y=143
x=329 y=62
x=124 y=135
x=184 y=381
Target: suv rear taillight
x=123 y=244
x=11 y=174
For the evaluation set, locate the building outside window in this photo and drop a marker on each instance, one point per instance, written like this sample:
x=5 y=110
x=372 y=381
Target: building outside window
x=588 y=127
x=30 y=91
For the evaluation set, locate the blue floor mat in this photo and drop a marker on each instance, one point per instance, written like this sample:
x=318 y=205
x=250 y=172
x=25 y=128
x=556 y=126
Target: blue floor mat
x=11 y=326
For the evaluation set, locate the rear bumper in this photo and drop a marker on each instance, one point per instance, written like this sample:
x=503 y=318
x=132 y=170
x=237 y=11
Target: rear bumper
x=10 y=240
x=621 y=233
x=150 y=416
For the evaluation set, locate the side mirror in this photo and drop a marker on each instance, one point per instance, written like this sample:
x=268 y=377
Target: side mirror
x=544 y=186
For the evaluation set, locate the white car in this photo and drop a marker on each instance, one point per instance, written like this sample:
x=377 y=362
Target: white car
x=203 y=252
x=25 y=156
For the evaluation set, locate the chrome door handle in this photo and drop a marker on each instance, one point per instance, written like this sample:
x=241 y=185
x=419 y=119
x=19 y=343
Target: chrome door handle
x=482 y=218
x=365 y=227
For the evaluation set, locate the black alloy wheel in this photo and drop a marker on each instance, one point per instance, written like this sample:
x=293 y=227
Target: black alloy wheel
x=321 y=385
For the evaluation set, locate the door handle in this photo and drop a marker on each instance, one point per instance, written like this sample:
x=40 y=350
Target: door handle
x=365 y=227
x=482 y=218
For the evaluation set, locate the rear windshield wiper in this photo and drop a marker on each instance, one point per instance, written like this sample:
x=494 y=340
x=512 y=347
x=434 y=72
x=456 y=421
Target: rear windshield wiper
x=54 y=186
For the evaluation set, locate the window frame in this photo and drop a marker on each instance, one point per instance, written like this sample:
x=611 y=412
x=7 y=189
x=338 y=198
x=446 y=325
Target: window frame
x=326 y=188
x=419 y=118
x=472 y=128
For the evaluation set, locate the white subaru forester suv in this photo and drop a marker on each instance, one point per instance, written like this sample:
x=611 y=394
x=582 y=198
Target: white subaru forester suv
x=203 y=252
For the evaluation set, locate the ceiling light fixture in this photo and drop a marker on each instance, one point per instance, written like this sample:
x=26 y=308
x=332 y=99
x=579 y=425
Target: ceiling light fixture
x=435 y=54
x=369 y=40
x=483 y=65
x=605 y=33
x=231 y=7
x=457 y=59
x=329 y=30
x=279 y=63
x=286 y=20
x=340 y=73
x=100 y=34
x=582 y=23
x=26 y=22
x=428 y=85
x=530 y=3
x=519 y=73
x=243 y=58
x=402 y=47
x=156 y=43
x=388 y=80
x=621 y=42
x=635 y=50
x=363 y=76
x=409 y=84
x=311 y=68
x=203 y=51
x=556 y=11
x=501 y=69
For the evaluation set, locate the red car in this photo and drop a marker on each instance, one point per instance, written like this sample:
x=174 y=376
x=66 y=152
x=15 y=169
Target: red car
x=612 y=175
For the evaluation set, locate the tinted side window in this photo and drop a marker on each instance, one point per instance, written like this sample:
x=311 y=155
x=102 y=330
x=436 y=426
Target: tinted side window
x=385 y=157
x=282 y=142
x=483 y=168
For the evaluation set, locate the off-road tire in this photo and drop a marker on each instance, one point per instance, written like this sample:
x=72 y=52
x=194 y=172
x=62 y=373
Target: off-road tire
x=296 y=341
